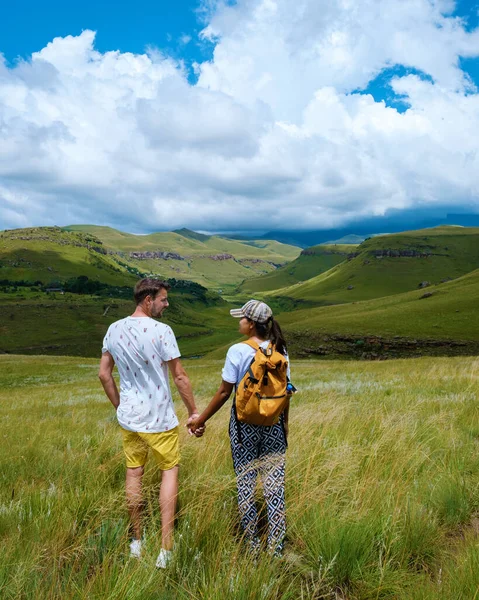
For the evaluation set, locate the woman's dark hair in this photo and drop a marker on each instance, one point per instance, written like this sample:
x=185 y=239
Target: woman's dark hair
x=149 y=287
x=272 y=331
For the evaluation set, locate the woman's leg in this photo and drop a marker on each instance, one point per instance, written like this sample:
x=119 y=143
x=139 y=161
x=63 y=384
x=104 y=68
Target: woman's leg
x=272 y=469
x=244 y=455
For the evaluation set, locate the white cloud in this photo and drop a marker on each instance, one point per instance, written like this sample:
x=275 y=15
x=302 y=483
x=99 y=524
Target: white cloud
x=272 y=135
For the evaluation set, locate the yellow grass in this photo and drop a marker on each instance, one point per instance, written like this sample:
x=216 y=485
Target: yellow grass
x=382 y=488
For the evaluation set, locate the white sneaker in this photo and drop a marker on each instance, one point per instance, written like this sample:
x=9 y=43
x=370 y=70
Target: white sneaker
x=164 y=558
x=135 y=549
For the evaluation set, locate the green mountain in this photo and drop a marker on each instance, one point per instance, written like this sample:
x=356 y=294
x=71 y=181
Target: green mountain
x=213 y=261
x=311 y=262
x=392 y=264
x=186 y=242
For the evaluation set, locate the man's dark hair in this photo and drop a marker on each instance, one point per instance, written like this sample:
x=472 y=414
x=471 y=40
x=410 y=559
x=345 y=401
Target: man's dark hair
x=149 y=287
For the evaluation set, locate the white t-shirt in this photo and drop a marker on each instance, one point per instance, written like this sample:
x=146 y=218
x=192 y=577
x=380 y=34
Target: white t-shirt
x=141 y=348
x=238 y=359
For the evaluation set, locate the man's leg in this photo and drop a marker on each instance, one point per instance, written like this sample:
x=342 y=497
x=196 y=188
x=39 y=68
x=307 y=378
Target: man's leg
x=168 y=497
x=134 y=498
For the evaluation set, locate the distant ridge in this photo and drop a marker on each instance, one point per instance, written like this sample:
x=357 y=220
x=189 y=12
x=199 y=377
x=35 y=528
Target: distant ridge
x=192 y=235
x=214 y=262
x=347 y=239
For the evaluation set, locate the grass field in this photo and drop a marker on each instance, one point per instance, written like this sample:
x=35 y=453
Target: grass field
x=382 y=489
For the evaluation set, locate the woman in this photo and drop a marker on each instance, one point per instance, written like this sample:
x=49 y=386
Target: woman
x=256 y=449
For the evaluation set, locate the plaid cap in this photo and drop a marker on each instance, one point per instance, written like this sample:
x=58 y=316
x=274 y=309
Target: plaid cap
x=255 y=310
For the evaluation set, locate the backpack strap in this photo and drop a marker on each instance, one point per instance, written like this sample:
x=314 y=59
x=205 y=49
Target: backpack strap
x=256 y=347
x=251 y=343
x=268 y=351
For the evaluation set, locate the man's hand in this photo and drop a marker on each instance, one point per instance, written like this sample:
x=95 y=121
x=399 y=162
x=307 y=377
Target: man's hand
x=194 y=427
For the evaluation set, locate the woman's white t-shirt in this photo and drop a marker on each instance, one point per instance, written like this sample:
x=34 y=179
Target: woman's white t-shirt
x=238 y=359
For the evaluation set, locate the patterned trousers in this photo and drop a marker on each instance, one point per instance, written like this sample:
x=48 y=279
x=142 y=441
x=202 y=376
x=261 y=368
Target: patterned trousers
x=260 y=451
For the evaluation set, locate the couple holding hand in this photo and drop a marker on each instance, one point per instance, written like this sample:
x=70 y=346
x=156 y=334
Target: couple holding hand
x=144 y=350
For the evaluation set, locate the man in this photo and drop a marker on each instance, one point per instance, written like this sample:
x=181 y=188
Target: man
x=143 y=350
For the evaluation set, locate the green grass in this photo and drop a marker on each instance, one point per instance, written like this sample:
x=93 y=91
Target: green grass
x=382 y=489
x=452 y=252
x=449 y=313
x=310 y=262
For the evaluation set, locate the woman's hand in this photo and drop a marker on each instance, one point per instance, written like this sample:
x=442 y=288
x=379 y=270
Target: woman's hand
x=195 y=426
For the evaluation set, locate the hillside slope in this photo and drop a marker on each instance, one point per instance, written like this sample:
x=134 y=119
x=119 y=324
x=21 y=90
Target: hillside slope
x=442 y=313
x=49 y=254
x=33 y=322
x=310 y=263
x=392 y=264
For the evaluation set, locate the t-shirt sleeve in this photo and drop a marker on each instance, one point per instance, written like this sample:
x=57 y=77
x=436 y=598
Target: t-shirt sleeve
x=106 y=342
x=230 y=371
x=169 y=346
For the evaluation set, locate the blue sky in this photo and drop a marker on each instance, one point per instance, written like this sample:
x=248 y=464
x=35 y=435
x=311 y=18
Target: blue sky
x=379 y=88
x=171 y=26
x=288 y=115
x=27 y=26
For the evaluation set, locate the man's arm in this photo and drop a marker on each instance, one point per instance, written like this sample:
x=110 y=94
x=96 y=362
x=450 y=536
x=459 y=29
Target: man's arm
x=183 y=385
x=106 y=377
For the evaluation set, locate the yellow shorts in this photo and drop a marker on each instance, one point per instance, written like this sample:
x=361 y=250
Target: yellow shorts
x=164 y=445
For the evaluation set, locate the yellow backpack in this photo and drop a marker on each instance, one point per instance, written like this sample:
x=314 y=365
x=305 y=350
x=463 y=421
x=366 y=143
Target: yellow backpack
x=262 y=395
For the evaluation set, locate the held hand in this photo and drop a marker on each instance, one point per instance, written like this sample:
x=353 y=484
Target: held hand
x=198 y=428
x=194 y=427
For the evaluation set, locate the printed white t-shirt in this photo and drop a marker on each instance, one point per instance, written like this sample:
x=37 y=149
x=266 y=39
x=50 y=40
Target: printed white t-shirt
x=238 y=359
x=141 y=348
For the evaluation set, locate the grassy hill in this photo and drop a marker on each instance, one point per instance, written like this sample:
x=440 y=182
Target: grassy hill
x=311 y=262
x=392 y=264
x=68 y=324
x=50 y=254
x=213 y=261
x=418 y=322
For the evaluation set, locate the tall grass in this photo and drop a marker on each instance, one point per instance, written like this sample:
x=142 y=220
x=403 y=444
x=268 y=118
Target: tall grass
x=382 y=489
